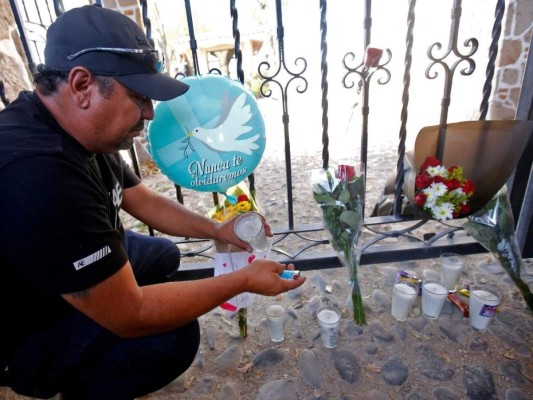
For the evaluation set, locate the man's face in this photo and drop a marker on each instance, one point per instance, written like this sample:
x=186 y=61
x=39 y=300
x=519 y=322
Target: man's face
x=119 y=117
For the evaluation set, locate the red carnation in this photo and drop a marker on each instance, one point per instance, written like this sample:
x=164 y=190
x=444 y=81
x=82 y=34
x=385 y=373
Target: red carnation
x=422 y=181
x=241 y=198
x=469 y=187
x=429 y=162
x=452 y=184
x=420 y=198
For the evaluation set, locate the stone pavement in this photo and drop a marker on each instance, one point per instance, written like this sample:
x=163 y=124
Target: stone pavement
x=416 y=359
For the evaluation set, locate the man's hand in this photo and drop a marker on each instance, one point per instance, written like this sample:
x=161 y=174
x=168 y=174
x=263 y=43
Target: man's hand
x=262 y=277
x=226 y=234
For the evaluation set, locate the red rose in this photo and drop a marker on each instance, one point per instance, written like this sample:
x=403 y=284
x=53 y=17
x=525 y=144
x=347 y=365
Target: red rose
x=420 y=199
x=452 y=184
x=468 y=187
x=465 y=209
x=241 y=198
x=372 y=57
x=345 y=172
x=439 y=179
x=422 y=181
x=429 y=162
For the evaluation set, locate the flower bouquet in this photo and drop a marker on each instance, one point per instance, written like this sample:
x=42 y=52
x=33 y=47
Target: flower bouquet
x=443 y=193
x=489 y=152
x=493 y=228
x=339 y=193
x=238 y=200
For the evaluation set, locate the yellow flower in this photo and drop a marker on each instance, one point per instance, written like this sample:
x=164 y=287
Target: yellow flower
x=243 y=207
x=228 y=211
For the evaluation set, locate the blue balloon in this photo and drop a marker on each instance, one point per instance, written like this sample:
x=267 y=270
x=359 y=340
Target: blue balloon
x=210 y=138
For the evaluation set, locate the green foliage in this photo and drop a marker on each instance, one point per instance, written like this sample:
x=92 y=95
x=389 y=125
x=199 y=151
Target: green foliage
x=341 y=202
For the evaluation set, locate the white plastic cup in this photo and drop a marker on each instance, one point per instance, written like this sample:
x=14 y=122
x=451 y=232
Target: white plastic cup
x=451 y=266
x=403 y=297
x=484 y=302
x=249 y=228
x=433 y=295
x=276 y=317
x=329 y=318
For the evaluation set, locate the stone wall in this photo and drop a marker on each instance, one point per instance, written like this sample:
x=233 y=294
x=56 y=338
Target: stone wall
x=512 y=59
x=14 y=71
x=131 y=8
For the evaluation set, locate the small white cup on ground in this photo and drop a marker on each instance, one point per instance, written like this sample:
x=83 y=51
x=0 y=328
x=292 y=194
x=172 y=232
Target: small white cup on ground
x=249 y=228
x=434 y=293
x=403 y=296
x=329 y=318
x=451 y=267
x=484 y=302
x=276 y=316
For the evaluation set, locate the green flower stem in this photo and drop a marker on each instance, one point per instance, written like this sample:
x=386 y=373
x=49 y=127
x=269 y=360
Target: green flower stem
x=357 y=300
x=524 y=289
x=515 y=277
x=243 y=322
x=352 y=262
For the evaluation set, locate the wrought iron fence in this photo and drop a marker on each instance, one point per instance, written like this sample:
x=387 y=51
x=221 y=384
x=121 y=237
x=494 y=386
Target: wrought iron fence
x=393 y=237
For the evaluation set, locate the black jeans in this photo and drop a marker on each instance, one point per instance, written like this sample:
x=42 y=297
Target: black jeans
x=82 y=360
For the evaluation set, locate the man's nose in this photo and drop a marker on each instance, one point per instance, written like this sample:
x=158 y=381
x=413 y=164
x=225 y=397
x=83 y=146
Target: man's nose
x=148 y=110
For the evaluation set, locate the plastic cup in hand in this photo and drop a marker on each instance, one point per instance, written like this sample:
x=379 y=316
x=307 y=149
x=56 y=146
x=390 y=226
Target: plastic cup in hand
x=484 y=302
x=433 y=295
x=249 y=228
x=329 y=319
x=403 y=296
x=276 y=322
x=451 y=266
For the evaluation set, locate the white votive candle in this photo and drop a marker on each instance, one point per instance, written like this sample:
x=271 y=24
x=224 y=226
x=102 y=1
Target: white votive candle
x=276 y=322
x=484 y=302
x=403 y=296
x=433 y=295
x=328 y=319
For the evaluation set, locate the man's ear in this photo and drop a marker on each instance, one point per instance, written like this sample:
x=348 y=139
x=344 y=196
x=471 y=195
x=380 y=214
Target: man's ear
x=81 y=85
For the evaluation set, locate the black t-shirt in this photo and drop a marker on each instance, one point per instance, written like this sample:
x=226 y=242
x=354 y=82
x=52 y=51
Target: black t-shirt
x=60 y=227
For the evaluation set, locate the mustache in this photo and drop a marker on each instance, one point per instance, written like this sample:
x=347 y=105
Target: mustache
x=139 y=126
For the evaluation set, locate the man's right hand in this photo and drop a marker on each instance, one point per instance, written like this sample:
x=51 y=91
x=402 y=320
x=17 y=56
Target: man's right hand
x=262 y=277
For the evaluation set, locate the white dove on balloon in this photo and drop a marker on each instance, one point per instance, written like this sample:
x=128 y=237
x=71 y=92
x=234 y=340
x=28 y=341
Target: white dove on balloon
x=225 y=136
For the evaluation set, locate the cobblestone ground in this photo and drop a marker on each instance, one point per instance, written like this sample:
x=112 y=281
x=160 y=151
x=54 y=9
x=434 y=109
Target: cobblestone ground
x=416 y=359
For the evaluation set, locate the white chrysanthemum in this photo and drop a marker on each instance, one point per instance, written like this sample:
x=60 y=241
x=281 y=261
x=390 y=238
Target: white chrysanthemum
x=440 y=189
x=443 y=211
x=431 y=196
x=458 y=192
x=439 y=170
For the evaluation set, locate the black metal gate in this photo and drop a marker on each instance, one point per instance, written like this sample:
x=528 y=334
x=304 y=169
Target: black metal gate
x=387 y=238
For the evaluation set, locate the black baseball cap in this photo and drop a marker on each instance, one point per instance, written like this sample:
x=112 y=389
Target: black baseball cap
x=109 y=43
